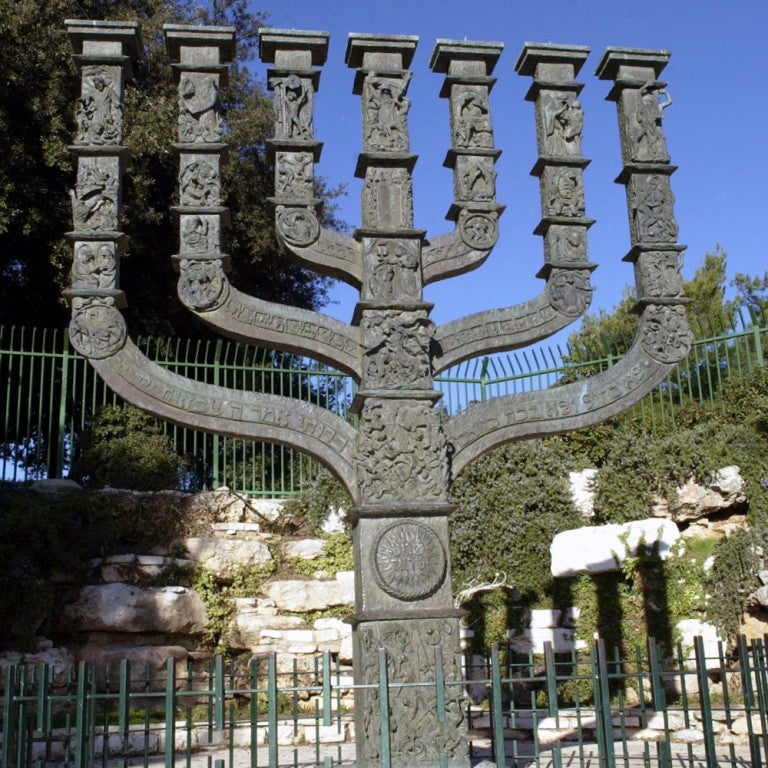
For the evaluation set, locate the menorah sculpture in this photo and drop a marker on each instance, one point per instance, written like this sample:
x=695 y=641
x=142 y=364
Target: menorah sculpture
x=398 y=464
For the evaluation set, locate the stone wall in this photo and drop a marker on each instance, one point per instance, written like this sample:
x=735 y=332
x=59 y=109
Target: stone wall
x=118 y=611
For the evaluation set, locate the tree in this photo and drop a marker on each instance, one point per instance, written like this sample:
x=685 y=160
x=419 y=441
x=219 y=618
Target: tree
x=40 y=86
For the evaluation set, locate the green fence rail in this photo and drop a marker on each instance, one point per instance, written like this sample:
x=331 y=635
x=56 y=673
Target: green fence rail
x=49 y=394
x=702 y=707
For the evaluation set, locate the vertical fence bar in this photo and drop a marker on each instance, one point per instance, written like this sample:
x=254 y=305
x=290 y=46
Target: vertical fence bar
x=386 y=747
x=603 y=706
x=659 y=701
x=749 y=701
x=170 y=712
x=705 y=702
x=497 y=717
x=9 y=715
x=272 y=708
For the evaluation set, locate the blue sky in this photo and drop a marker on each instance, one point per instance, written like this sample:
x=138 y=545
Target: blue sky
x=717 y=128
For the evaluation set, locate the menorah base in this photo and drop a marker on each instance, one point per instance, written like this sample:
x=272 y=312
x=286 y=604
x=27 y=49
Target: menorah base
x=413 y=669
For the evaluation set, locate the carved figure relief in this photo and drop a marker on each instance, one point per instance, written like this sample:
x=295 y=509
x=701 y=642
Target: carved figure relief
x=563 y=122
x=387 y=198
x=479 y=231
x=297 y=226
x=94 y=199
x=645 y=132
x=471 y=119
x=475 y=179
x=566 y=244
x=99 y=111
x=293 y=107
x=652 y=209
x=418 y=736
x=569 y=291
x=97 y=328
x=202 y=285
x=294 y=174
x=385 y=112
x=658 y=274
x=94 y=266
x=199 y=234
x=563 y=192
x=199 y=120
x=397 y=350
x=394 y=269
x=199 y=183
x=402 y=452
x=665 y=334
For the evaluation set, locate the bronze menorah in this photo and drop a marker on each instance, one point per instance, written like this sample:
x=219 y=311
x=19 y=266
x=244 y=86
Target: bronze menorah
x=398 y=464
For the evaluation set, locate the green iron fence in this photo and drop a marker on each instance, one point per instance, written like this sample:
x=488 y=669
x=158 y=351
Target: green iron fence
x=49 y=394
x=687 y=710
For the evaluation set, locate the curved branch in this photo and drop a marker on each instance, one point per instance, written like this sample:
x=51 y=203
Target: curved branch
x=248 y=415
x=501 y=330
x=663 y=339
x=332 y=254
x=448 y=255
x=288 y=328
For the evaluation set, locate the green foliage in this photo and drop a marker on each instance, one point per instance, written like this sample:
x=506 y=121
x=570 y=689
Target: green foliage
x=337 y=556
x=40 y=86
x=510 y=503
x=41 y=535
x=312 y=505
x=125 y=448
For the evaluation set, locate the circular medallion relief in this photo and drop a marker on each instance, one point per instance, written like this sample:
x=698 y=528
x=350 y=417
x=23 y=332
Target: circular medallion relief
x=298 y=226
x=479 y=230
x=409 y=561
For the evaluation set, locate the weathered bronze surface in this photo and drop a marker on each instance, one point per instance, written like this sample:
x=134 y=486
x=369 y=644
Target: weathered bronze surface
x=398 y=464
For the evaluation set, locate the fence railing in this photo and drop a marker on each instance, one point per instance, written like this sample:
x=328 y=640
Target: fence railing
x=49 y=395
x=691 y=709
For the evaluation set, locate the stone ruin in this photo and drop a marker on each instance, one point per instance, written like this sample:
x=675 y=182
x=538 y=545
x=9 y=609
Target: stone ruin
x=397 y=464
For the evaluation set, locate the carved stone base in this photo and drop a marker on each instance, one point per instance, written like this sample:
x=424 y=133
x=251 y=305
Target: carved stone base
x=421 y=732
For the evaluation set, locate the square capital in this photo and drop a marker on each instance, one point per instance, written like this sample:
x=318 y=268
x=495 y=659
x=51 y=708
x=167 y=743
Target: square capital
x=105 y=38
x=632 y=63
x=308 y=47
x=454 y=57
x=548 y=61
x=188 y=43
x=380 y=51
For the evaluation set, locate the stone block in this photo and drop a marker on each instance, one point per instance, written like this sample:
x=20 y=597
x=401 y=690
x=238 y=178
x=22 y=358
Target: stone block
x=603 y=548
x=223 y=557
x=325 y=734
x=128 y=608
x=582 y=491
x=304 y=549
x=532 y=639
x=298 y=596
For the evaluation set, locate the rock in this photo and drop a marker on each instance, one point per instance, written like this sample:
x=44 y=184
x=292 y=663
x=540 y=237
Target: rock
x=252 y=617
x=532 y=640
x=691 y=628
x=582 y=491
x=335 y=521
x=60 y=659
x=224 y=506
x=695 y=500
x=108 y=657
x=55 y=486
x=753 y=626
x=223 y=557
x=299 y=596
x=602 y=548
x=128 y=608
x=304 y=549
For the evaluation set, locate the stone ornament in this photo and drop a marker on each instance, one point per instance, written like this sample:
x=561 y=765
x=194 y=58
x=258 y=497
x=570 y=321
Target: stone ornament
x=202 y=285
x=385 y=112
x=97 y=329
x=652 y=208
x=423 y=737
x=199 y=120
x=94 y=266
x=665 y=334
x=562 y=123
x=397 y=349
x=563 y=191
x=293 y=107
x=398 y=448
x=392 y=268
x=99 y=110
x=646 y=136
x=409 y=561
x=566 y=244
x=199 y=183
x=200 y=234
x=95 y=196
x=657 y=274
x=472 y=118
x=297 y=226
x=569 y=291
x=294 y=175
x=387 y=199
x=475 y=179
x=479 y=231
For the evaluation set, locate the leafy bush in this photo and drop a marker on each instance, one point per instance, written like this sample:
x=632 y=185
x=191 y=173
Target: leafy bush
x=125 y=448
